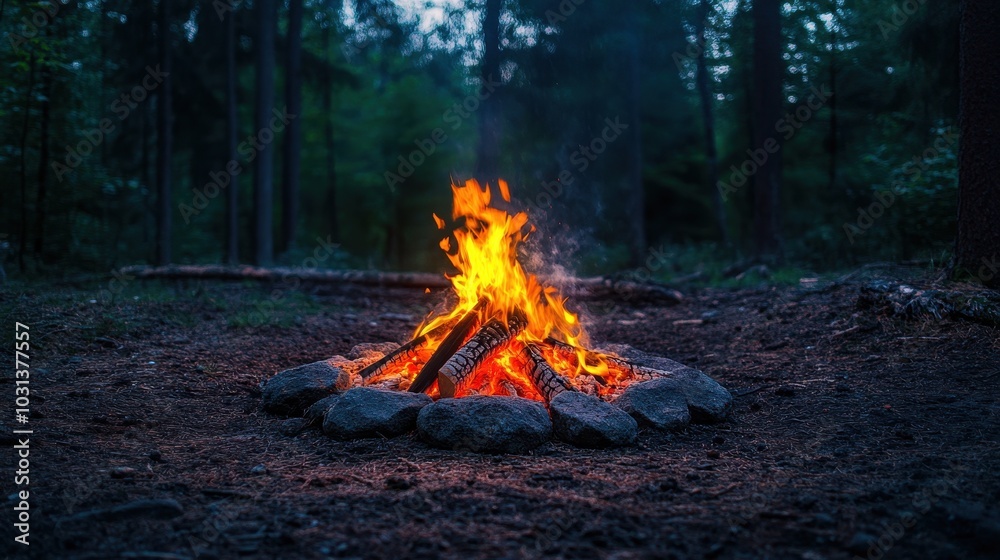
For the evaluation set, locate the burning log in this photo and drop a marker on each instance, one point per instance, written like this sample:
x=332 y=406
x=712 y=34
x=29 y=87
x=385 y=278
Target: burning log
x=405 y=353
x=546 y=380
x=483 y=345
x=447 y=348
x=571 y=354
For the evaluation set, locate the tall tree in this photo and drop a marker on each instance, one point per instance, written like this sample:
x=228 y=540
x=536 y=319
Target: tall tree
x=263 y=180
x=232 y=126
x=43 y=161
x=293 y=132
x=327 y=103
x=768 y=78
x=977 y=247
x=24 y=162
x=488 y=153
x=164 y=125
x=832 y=141
x=708 y=119
x=636 y=206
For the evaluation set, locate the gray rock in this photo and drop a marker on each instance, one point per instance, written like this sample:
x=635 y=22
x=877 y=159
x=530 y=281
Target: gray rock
x=707 y=400
x=659 y=403
x=364 y=412
x=587 y=421
x=292 y=391
x=318 y=410
x=485 y=424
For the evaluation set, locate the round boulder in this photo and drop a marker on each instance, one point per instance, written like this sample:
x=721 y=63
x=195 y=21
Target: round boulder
x=485 y=424
x=315 y=413
x=659 y=403
x=364 y=412
x=587 y=421
x=708 y=401
x=292 y=391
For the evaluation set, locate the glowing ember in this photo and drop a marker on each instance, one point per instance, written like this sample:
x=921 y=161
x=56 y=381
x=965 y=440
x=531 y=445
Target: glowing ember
x=483 y=247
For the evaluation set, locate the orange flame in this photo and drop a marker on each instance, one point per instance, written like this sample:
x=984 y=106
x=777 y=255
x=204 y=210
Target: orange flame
x=483 y=247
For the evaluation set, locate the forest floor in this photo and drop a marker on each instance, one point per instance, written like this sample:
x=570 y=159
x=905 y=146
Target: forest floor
x=854 y=434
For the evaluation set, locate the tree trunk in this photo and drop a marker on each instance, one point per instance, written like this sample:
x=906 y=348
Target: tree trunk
x=148 y=203
x=636 y=197
x=24 y=164
x=293 y=133
x=488 y=152
x=977 y=248
x=232 y=127
x=331 y=168
x=43 y=164
x=768 y=78
x=832 y=172
x=263 y=180
x=708 y=118
x=165 y=143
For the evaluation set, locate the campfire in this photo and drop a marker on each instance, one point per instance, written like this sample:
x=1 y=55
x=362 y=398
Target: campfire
x=503 y=368
x=508 y=334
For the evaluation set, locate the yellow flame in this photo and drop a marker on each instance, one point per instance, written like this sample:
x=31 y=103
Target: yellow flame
x=483 y=248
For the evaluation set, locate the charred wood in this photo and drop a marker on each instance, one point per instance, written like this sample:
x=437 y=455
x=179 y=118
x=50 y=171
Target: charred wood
x=458 y=335
x=483 y=345
x=546 y=380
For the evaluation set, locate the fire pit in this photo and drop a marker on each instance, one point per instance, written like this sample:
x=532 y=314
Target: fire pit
x=502 y=369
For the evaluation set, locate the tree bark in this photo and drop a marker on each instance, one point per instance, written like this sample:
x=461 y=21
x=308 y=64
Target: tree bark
x=977 y=247
x=331 y=168
x=577 y=288
x=768 y=78
x=263 y=180
x=488 y=152
x=24 y=163
x=708 y=119
x=232 y=127
x=832 y=172
x=293 y=132
x=636 y=196
x=43 y=163
x=164 y=227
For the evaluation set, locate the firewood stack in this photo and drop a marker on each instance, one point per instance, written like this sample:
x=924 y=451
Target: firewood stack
x=471 y=343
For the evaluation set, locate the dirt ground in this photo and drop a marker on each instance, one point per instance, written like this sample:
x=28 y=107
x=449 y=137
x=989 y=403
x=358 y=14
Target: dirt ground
x=854 y=434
